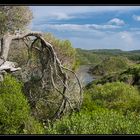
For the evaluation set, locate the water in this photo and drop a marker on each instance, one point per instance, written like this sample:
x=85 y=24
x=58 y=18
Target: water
x=84 y=76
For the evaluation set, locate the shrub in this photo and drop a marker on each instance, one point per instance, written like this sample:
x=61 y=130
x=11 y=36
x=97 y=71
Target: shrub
x=99 y=121
x=15 y=115
x=107 y=109
x=88 y=103
x=117 y=95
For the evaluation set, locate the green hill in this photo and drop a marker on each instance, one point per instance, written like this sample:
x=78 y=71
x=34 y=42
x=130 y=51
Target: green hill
x=111 y=65
x=96 y=56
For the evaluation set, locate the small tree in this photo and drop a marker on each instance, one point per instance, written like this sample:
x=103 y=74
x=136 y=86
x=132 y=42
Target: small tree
x=13 y=18
x=43 y=68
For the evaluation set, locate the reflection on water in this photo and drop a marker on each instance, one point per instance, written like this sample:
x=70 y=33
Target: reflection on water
x=84 y=76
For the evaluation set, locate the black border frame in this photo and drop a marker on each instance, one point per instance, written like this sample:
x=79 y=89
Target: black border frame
x=68 y=3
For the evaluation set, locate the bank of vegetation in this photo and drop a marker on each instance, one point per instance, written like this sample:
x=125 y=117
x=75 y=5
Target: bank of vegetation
x=111 y=103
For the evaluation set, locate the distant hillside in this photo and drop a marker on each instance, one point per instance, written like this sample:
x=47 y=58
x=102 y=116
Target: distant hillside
x=135 y=51
x=96 y=56
x=110 y=65
x=107 y=50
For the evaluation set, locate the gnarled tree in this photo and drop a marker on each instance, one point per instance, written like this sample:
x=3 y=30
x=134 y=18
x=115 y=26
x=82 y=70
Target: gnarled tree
x=43 y=75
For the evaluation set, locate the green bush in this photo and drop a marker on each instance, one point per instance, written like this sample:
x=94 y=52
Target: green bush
x=15 y=115
x=32 y=126
x=88 y=103
x=112 y=108
x=99 y=121
x=117 y=95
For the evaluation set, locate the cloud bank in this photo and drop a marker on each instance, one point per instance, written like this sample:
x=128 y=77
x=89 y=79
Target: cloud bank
x=91 y=27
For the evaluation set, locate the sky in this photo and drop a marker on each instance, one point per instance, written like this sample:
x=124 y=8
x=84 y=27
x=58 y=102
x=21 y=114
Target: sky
x=91 y=27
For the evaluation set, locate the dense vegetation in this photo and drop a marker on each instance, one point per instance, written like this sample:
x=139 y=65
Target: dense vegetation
x=131 y=76
x=13 y=18
x=15 y=116
x=63 y=48
x=110 y=65
x=95 y=57
x=107 y=109
x=40 y=106
x=111 y=104
x=66 y=53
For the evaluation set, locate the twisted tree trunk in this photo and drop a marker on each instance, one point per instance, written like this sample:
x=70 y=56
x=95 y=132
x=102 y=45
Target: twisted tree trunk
x=53 y=63
x=5 y=46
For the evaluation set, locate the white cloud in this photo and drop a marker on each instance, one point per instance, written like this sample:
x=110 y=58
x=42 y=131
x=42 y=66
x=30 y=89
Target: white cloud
x=60 y=16
x=126 y=37
x=116 y=21
x=78 y=27
x=96 y=26
x=135 y=17
x=120 y=40
x=90 y=36
x=82 y=36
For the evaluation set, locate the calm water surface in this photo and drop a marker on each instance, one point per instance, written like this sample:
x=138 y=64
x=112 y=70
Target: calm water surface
x=84 y=76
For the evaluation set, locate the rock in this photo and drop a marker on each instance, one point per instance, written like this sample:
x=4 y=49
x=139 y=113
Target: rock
x=8 y=66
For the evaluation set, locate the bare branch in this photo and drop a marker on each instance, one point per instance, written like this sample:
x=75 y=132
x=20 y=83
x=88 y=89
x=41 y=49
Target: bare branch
x=51 y=68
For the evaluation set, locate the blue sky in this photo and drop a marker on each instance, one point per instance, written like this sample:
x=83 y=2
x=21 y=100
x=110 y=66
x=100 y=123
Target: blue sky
x=91 y=27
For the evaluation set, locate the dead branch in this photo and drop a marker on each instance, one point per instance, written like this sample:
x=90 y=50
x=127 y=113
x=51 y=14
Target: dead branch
x=51 y=67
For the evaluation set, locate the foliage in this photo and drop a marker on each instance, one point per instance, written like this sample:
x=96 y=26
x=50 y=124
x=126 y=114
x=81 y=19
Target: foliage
x=134 y=72
x=111 y=108
x=13 y=18
x=18 y=53
x=64 y=50
x=116 y=95
x=15 y=115
x=43 y=101
x=130 y=76
x=95 y=57
x=32 y=126
x=99 y=121
x=86 y=57
x=107 y=109
x=110 y=65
